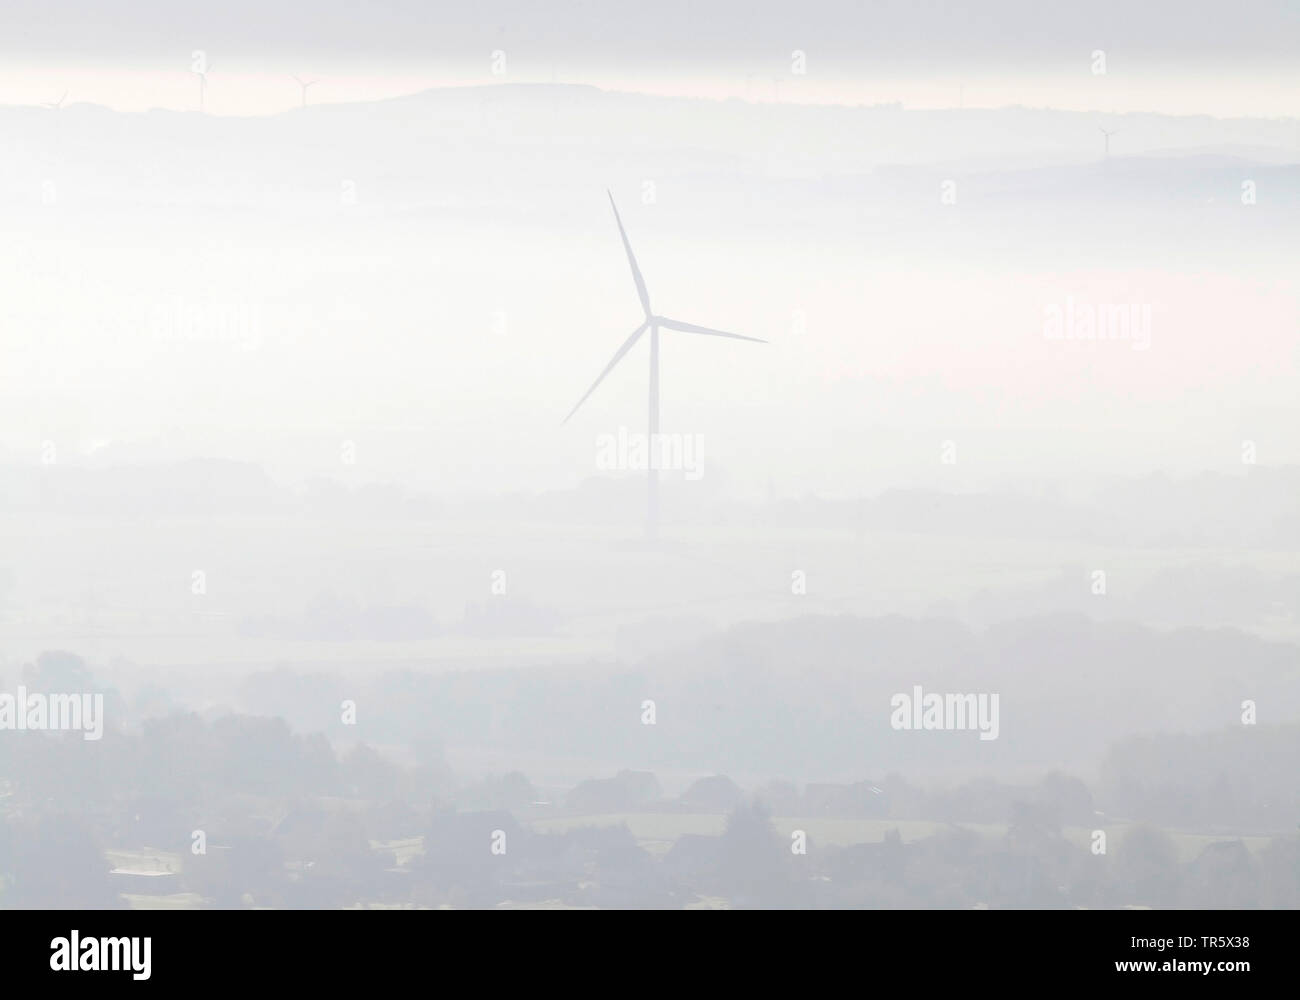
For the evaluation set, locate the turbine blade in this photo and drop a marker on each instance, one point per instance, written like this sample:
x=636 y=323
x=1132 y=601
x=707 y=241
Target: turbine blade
x=642 y=294
x=618 y=356
x=673 y=324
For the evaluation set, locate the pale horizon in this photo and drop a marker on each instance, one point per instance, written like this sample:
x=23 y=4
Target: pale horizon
x=260 y=91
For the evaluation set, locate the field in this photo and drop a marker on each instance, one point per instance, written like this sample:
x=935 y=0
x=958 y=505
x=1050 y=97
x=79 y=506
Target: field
x=657 y=832
x=136 y=602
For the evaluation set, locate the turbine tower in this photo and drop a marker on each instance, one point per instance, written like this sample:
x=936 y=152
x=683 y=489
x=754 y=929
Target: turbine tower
x=304 y=84
x=202 y=74
x=652 y=322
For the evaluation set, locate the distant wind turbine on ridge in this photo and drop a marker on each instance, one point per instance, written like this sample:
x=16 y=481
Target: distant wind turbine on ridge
x=652 y=322
x=304 y=84
x=1107 y=135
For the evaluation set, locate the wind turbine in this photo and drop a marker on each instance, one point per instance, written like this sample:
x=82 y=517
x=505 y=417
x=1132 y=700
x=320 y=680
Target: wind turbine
x=1107 y=135
x=304 y=84
x=55 y=105
x=652 y=322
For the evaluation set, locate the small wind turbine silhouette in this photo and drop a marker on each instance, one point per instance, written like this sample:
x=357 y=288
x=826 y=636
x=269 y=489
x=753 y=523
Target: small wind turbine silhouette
x=1107 y=135
x=304 y=84
x=653 y=323
x=55 y=105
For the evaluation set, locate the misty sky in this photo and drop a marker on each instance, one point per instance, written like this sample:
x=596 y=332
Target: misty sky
x=476 y=282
